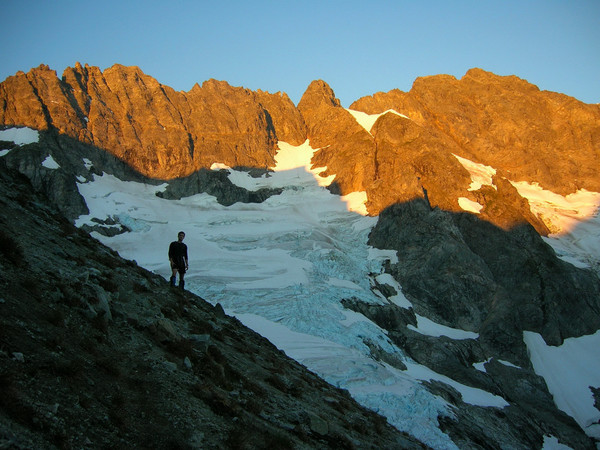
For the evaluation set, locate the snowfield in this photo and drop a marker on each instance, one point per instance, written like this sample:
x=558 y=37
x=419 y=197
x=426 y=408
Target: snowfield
x=569 y=371
x=283 y=266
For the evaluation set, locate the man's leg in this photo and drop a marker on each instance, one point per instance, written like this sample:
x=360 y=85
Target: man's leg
x=173 y=275
x=181 y=276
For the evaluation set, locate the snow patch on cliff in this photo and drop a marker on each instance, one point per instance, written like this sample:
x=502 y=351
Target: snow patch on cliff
x=368 y=120
x=574 y=221
x=481 y=175
x=430 y=328
x=50 y=163
x=470 y=205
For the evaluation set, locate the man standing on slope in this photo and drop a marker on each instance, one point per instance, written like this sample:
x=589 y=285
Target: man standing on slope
x=178 y=258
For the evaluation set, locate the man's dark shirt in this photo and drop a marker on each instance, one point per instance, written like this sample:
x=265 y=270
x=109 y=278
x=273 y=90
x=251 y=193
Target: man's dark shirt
x=178 y=253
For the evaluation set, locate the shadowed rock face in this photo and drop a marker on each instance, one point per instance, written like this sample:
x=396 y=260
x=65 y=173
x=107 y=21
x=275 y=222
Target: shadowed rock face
x=503 y=122
x=60 y=184
x=467 y=273
x=479 y=277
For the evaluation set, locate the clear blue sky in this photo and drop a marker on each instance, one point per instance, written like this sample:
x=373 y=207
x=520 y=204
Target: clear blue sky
x=358 y=47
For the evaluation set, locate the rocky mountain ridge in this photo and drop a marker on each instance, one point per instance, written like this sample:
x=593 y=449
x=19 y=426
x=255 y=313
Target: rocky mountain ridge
x=502 y=122
x=156 y=130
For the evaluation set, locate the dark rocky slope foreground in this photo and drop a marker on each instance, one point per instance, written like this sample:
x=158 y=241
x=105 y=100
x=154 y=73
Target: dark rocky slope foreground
x=96 y=352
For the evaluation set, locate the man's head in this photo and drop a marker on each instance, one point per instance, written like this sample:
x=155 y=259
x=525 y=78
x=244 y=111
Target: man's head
x=180 y=236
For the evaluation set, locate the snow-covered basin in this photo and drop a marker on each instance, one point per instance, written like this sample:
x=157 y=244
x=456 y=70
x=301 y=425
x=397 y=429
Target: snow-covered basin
x=282 y=267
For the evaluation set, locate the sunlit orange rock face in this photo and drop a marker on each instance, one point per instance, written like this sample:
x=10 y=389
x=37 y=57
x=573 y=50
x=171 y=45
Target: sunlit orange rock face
x=397 y=161
x=507 y=123
x=503 y=122
x=347 y=148
x=158 y=131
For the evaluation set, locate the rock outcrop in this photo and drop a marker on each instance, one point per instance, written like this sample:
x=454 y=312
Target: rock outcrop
x=346 y=148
